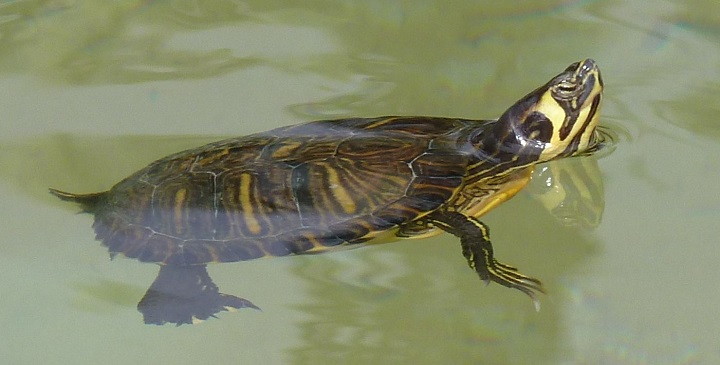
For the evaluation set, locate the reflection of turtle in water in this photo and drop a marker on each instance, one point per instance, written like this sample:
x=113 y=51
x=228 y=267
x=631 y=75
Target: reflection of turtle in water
x=314 y=187
x=572 y=191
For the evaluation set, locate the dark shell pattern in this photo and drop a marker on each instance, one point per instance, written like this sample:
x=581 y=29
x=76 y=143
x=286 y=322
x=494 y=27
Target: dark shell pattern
x=299 y=189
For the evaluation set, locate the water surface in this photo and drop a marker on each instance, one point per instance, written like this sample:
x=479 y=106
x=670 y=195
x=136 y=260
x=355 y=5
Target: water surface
x=91 y=91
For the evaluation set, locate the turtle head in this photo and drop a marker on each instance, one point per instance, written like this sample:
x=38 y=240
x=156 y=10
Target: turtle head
x=559 y=118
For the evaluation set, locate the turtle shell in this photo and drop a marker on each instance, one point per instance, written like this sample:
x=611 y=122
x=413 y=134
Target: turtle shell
x=298 y=189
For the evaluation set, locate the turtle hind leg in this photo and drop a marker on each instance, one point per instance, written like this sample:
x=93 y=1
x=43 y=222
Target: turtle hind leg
x=186 y=295
x=477 y=249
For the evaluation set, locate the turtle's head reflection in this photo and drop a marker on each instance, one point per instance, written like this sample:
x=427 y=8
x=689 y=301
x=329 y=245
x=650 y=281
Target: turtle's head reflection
x=572 y=190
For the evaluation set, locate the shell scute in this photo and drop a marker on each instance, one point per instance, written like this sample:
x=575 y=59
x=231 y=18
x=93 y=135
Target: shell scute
x=184 y=207
x=377 y=147
x=123 y=238
x=426 y=127
x=157 y=248
x=440 y=165
x=233 y=152
x=165 y=169
x=275 y=247
x=292 y=190
x=245 y=249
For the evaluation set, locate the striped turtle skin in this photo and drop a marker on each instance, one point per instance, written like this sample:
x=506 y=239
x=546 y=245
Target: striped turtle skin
x=313 y=187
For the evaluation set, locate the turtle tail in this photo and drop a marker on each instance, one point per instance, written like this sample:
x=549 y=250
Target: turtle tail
x=88 y=202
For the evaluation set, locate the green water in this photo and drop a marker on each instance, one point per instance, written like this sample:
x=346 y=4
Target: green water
x=91 y=91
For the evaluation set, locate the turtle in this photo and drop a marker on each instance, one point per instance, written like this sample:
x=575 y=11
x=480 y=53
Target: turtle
x=323 y=185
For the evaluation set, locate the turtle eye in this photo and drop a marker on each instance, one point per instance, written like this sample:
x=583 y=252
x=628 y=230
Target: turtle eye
x=566 y=90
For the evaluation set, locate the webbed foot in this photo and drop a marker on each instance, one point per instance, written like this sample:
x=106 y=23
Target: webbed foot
x=186 y=295
x=477 y=249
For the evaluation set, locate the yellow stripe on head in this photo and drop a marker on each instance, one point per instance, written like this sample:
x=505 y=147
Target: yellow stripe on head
x=572 y=103
x=559 y=118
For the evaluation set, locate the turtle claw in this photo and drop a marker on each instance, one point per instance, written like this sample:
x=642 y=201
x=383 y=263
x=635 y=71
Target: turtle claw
x=508 y=267
x=160 y=308
x=186 y=295
x=508 y=276
x=477 y=249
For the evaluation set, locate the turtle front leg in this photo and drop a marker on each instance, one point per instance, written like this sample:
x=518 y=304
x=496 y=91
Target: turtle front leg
x=477 y=249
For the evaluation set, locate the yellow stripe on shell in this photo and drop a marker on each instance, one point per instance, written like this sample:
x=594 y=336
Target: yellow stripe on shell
x=286 y=150
x=246 y=203
x=338 y=191
x=380 y=123
x=179 y=212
